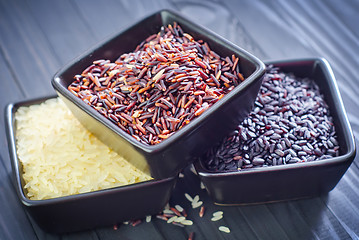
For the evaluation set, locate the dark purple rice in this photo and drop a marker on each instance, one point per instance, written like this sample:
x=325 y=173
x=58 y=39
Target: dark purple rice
x=290 y=123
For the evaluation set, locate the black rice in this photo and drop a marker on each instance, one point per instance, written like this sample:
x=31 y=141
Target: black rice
x=290 y=123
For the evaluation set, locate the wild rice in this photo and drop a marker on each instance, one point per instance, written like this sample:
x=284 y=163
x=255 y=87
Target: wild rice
x=201 y=211
x=134 y=223
x=191 y=236
x=169 y=80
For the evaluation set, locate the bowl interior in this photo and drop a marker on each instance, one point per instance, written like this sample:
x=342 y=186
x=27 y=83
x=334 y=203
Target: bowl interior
x=319 y=70
x=127 y=41
x=91 y=209
x=171 y=155
x=18 y=169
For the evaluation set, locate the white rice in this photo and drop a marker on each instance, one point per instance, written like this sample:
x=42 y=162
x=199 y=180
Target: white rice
x=224 y=229
x=60 y=157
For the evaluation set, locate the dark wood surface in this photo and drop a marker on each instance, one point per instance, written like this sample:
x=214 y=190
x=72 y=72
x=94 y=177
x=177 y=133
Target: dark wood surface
x=38 y=37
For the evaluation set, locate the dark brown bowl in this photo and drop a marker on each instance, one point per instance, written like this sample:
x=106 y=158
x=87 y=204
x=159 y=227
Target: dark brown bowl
x=86 y=210
x=173 y=154
x=292 y=181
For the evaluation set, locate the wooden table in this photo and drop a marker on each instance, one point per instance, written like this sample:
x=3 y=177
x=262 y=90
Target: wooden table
x=38 y=37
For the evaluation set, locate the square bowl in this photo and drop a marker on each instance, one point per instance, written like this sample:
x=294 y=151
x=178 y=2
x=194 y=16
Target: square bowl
x=291 y=181
x=170 y=156
x=91 y=209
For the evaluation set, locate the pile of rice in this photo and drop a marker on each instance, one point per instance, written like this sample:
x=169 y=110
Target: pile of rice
x=60 y=157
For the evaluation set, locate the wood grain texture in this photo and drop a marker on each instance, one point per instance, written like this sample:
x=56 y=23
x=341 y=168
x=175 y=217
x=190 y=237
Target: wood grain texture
x=38 y=37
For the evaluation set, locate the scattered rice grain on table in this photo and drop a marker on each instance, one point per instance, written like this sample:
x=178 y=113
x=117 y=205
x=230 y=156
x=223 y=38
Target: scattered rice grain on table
x=224 y=229
x=60 y=157
x=201 y=211
x=179 y=208
x=189 y=198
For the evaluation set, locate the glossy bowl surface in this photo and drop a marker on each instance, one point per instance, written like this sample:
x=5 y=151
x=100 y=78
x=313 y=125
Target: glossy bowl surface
x=292 y=181
x=169 y=157
x=86 y=210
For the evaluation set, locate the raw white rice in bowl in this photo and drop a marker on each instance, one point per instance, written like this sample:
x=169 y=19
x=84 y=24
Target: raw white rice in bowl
x=60 y=157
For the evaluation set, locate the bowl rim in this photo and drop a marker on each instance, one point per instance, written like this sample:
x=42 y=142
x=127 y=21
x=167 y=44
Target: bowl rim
x=179 y=134
x=10 y=123
x=339 y=106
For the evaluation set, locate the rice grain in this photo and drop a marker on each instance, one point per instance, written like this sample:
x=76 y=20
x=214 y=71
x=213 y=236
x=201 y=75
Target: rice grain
x=60 y=157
